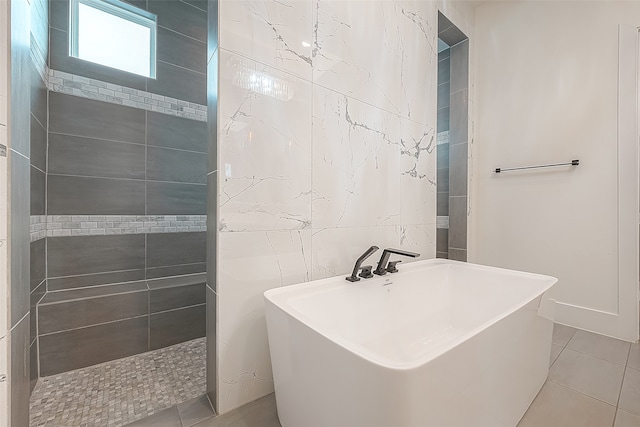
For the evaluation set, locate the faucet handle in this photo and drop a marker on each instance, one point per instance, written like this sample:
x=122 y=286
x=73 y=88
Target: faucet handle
x=366 y=272
x=391 y=267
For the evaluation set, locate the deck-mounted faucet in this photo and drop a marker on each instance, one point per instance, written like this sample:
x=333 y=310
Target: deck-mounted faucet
x=383 y=268
x=366 y=270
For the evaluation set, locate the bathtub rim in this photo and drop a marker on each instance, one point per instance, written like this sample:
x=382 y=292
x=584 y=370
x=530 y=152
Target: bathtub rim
x=275 y=297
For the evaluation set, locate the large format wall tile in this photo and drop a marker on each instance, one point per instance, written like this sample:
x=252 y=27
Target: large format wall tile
x=80 y=313
x=249 y=264
x=176 y=132
x=383 y=54
x=356 y=163
x=171 y=298
x=19 y=235
x=68 y=256
x=418 y=185
x=186 y=20
x=73 y=195
x=38 y=145
x=370 y=167
x=75 y=155
x=165 y=249
x=65 y=351
x=277 y=33
x=38 y=190
x=38 y=263
x=176 y=326
x=177 y=49
x=166 y=198
x=38 y=95
x=19 y=376
x=165 y=164
x=265 y=150
x=74 y=115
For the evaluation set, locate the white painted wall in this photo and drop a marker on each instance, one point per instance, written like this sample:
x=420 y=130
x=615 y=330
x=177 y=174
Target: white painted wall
x=4 y=69
x=547 y=91
x=334 y=152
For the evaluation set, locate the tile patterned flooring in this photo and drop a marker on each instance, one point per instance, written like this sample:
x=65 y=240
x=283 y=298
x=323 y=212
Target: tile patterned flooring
x=122 y=391
x=594 y=381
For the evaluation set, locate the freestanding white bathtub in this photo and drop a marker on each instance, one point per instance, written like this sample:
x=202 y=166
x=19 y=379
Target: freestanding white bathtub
x=439 y=344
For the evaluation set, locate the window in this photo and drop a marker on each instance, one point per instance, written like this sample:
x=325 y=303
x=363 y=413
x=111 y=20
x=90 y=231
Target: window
x=115 y=34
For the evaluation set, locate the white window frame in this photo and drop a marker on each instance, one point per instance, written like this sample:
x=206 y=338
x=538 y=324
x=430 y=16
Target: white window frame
x=121 y=10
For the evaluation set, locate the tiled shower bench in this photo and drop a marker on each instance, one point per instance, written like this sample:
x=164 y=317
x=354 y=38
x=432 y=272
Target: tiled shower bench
x=85 y=326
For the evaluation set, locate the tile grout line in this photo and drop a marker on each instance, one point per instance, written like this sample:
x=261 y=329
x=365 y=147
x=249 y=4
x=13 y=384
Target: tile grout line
x=615 y=415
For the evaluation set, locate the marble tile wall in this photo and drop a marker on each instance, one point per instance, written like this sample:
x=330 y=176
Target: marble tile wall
x=326 y=145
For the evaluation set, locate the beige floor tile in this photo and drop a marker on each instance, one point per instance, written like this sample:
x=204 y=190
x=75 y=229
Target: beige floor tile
x=634 y=356
x=630 y=396
x=562 y=334
x=558 y=406
x=589 y=375
x=555 y=352
x=259 y=413
x=625 y=419
x=167 y=418
x=606 y=348
x=195 y=410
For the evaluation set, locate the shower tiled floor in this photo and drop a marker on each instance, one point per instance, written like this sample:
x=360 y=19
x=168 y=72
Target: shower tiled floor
x=120 y=392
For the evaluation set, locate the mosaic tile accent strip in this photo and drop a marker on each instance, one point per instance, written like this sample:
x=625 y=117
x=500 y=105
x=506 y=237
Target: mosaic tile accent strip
x=87 y=225
x=442 y=137
x=37 y=227
x=442 y=222
x=3 y=150
x=122 y=391
x=72 y=84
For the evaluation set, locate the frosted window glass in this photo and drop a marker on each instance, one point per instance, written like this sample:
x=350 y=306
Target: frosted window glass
x=113 y=41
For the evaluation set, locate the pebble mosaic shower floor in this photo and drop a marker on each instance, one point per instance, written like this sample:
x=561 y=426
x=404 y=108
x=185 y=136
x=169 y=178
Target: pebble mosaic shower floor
x=122 y=391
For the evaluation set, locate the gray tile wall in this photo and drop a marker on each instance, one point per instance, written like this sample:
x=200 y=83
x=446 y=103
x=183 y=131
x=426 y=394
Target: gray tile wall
x=453 y=117
x=124 y=319
x=110 y=160
x=458 y=151
x=19 y=165
x=442 y=150
x=38 y=160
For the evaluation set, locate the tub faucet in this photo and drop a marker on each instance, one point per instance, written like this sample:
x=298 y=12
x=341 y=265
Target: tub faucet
x=383 y=268
x=366 y=270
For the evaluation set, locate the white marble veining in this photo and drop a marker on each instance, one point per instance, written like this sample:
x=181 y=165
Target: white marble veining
x=265 y=147
x=251 y=263
x=370 y=167
x=277 y=33
x=356 y=163
x=388 y=59
x=325 y=149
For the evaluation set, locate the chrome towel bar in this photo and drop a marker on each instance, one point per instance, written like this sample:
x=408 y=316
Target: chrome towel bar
x=571 y=163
